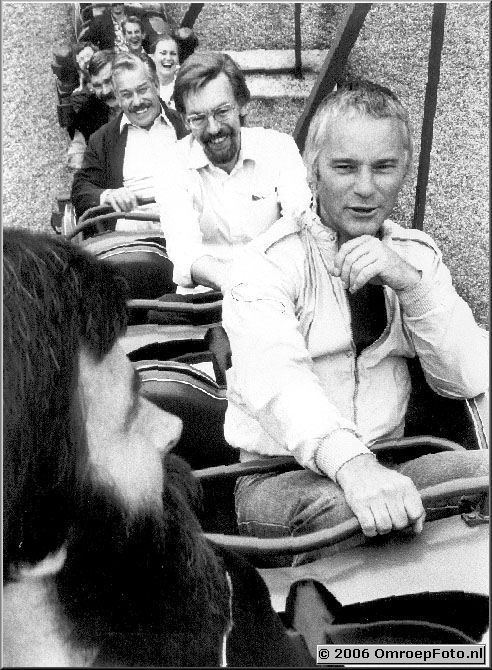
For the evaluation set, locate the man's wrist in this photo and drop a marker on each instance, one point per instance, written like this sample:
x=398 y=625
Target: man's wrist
x=102 y=197
x=336 y=449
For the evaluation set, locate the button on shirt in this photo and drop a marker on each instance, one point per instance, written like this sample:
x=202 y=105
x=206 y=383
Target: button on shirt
x=205 y=211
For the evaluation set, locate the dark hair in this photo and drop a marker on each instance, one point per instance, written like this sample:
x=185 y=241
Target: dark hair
x=133 y=19
x=186 y=42
x=99 y=60
x=201 y=68
x=56 y=298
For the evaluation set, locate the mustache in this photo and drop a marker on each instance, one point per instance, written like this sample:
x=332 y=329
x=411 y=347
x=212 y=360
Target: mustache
x=223 y=132
x=108 y=96
x=138 y=108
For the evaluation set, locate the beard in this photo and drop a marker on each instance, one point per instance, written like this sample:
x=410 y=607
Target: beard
x=145 y=590
x=221 y=155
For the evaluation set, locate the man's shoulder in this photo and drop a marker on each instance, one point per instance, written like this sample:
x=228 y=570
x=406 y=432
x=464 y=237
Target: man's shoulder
x=411 y=240
x=284 y=232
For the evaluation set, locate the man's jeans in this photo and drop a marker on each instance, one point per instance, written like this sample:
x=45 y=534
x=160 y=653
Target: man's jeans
x=301 y=501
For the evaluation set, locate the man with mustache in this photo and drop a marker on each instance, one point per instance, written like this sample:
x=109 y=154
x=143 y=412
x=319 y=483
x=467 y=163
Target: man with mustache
x=234 y=181
x=324 y=314
x=104 y=562
x=118 y=162
x=101 y=105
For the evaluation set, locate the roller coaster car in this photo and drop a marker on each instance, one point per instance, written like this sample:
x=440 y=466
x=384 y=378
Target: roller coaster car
x=394 y=589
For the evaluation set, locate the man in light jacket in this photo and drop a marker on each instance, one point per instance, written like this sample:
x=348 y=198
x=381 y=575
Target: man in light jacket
x=323 y=312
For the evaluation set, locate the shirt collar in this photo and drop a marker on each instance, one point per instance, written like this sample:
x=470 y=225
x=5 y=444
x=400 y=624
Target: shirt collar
x=162 y=118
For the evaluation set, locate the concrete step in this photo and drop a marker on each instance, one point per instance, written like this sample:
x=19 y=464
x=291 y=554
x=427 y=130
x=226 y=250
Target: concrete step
x=269 y=73
x=277 y=61
x=267 y=86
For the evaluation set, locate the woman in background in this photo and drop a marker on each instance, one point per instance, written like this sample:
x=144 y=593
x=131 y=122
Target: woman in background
x=168 y=52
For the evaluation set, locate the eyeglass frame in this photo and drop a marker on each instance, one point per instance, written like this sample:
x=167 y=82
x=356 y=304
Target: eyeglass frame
x=191 y=118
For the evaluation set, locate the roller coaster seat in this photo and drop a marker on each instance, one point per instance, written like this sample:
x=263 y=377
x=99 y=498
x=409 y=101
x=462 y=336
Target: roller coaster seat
x=140 y=257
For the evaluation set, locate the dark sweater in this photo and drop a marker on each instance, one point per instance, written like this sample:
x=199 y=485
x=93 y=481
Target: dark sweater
x=103 y=161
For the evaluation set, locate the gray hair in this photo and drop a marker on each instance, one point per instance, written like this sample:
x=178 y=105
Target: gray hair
x=128 y=61
x=357 y=97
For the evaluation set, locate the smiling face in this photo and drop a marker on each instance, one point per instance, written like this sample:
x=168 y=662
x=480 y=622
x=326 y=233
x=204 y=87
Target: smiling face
x=133 y=37
x=221 y=140
x=166 y=60
x=102 y=86
x=361 y=169
x=137 y=95
x=126 y=434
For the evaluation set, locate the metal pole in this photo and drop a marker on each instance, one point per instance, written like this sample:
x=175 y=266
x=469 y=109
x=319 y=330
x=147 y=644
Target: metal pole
x=430 y=103
x=332 y=68
x=191 y=14
x=297 y=45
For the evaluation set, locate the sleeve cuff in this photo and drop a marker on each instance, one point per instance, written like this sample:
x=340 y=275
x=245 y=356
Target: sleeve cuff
x=337 y=449
x=421 y=298
x=103 y=195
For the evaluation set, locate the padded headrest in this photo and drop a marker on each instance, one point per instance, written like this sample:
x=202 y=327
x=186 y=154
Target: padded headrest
x=142 y=261
x=200 y=403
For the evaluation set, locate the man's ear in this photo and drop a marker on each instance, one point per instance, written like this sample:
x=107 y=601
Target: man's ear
x=244 y=109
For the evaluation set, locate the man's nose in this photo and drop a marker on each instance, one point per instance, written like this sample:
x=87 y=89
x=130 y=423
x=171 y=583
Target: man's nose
x=212 y=125
x=137 y=98
x=364 y=182
x=106 y=89
x=172 y=427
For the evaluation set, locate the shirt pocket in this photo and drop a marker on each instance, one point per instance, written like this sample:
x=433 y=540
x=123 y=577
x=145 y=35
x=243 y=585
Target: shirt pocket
x=258 y=209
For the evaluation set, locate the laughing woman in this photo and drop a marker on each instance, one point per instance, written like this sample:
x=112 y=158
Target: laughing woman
x=168 y=52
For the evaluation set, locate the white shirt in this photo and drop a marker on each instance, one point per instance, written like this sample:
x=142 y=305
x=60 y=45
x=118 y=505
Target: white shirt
x=144 y=149
x=205 y=211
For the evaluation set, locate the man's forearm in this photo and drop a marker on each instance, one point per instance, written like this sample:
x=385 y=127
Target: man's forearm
x=209 y=271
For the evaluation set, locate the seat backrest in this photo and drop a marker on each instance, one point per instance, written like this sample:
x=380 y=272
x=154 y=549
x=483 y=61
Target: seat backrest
x=201 y=404
x=143 y=261
x=199 y=401
x=431 y=414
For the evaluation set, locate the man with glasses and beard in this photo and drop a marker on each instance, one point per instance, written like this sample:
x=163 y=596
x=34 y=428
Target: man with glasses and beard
x=234 y=182
x=104 y=562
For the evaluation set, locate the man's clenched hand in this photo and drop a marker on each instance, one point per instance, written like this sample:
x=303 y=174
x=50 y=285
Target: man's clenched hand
x=381 y=499
x=367 y=258
x=120 y=199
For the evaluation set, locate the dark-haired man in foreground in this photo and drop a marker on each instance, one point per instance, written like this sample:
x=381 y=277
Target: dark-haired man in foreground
x=323 y=312
x=104 y=563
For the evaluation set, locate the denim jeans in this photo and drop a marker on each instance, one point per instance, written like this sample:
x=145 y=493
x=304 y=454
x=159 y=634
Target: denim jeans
x=301 y=501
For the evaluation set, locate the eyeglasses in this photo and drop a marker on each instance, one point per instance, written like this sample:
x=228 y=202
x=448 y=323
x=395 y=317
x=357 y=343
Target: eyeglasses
x=220 y=114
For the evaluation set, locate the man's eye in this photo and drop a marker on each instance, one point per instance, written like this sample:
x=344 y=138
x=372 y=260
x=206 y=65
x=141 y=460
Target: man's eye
x=344 y=168
x=384 y=167
x=198 y=118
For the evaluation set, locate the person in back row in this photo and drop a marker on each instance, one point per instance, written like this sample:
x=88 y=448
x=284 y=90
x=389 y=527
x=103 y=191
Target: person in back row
x=234 y=182
x=106 y=30
x=134 y=34
x=322 y=312
x=104 y=563
x=101 y=105
x=168 y=52
x=118 y=162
